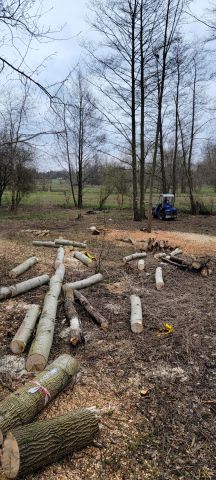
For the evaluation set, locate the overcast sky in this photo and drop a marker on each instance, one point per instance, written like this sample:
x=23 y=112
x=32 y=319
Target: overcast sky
x=72 y=15
x=65 y=51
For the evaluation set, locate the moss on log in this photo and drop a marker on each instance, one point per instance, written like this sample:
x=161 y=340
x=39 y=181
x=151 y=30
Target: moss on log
x=22 y=406
x=29 y=448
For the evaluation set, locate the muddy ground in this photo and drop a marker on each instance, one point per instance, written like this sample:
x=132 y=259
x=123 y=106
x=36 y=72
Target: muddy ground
x=156 y=392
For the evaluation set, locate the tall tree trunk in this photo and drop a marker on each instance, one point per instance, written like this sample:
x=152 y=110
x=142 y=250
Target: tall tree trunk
x=13 y=199
x=133 y=115
x=142 y=119
x=154 y=162
x=163 y=171
x=80 y=157
x=176 y=129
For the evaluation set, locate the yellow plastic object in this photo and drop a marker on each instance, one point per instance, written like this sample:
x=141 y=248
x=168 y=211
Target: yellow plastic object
x=167 y=329
x=89 y=255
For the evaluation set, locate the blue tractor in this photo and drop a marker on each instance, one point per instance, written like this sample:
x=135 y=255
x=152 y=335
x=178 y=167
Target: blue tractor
x=165 y=209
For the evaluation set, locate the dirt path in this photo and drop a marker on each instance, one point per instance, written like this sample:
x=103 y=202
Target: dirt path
x=191 y=243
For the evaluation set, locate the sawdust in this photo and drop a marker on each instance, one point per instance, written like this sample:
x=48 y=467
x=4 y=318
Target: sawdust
x=191 y=243
x=118 y=287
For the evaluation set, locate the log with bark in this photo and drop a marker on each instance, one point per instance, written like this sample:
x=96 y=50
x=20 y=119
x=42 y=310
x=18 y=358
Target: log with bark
x=83 y=258
x=41 y=345
x=72 y=243
x=59 y=257
x=75 y=331
x=34 y=446
x=194 y=265
x=92 y=311
x=176 y=252
x=159 y=278
x=86 y=282
x=21 y=407
x=42 y=243
x=23 y=287
x=127 y=240
x=94 y=230
x=26 y=329
x=134 y=256
x=136 y=314
x=23 y=267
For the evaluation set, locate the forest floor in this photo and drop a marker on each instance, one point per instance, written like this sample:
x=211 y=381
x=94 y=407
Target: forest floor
x=156 y=391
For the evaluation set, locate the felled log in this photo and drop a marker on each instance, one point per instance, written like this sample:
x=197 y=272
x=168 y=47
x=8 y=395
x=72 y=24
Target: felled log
x=191 y=265
x=136 y=314
x=159 y=278
x=175 y=252
x=41 y=345
x=21 y=407
x=82 y=258
x=141 y=265
x=94 y=231
x=92 y=311
x=59 y=257
x=29 y=448
x=23 y=267
x=25 y=330
x=150 y=244
x=134 y=256
x=126 y=240
x=86 y=282
x=23 y=287
x=75 y=330
x=62 y=241
x=144 y=247
x=41 y=243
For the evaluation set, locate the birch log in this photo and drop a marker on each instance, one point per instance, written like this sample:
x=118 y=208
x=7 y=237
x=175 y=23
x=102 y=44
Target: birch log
x=59 y=257
x=86 y=282
x=136 y=314
x=134 y=256
x=141 y=265
x=23 y=267
x=72 y=243
x=21 y=407
x=40 y=348
x=40 y=243
x=159 y=278
x=82 y=258
x=23 y=287
x=175 y=252
x=93 y=312
x=26 y=329
x=75 y=331
x=29 y=448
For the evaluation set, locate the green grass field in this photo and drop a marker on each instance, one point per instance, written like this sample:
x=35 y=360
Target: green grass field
x=58 y=196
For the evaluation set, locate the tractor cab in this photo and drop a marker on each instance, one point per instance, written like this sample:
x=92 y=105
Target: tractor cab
x=165 y=209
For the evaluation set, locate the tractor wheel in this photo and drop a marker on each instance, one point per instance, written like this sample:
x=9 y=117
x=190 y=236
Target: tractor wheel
x=161 y=216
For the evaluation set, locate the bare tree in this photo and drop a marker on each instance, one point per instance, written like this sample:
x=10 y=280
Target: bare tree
x=81 y=135
x=171 y=18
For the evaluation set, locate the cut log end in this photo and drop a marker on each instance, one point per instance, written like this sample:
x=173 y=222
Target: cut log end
x=136 y=328
x=12 y=274
x=10 y=457
x=17 y=346
x=35 y=363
